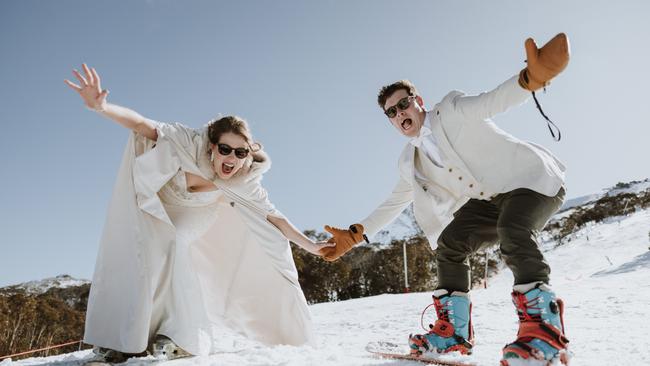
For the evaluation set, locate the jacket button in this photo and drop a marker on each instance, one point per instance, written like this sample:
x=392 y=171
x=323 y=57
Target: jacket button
x=481 y=193
x=232 y=204
x=471 y=186
x=450 y=170
x=437 y=113
x=460 y=178
x=424 y=188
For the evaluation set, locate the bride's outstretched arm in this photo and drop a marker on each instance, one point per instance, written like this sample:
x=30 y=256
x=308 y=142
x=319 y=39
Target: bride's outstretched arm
x=94 y=97
x=294 y=235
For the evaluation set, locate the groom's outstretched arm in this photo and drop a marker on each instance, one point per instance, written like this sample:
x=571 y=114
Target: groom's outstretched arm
x=383 y=215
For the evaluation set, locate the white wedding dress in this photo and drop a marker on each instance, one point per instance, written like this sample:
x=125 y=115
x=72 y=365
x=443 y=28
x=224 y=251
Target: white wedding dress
x=218 y=285
x=205 y=269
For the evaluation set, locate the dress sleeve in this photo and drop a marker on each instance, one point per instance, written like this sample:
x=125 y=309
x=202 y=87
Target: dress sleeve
x=260 y=197
x=176 y=132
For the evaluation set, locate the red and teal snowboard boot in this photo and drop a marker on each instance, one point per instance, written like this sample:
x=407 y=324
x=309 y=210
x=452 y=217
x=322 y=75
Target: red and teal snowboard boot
x=540 y=339
x=453 y=328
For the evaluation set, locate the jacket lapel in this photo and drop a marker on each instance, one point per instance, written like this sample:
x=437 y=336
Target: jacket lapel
x=406 y=163
x=407 y=159
x=444 y=144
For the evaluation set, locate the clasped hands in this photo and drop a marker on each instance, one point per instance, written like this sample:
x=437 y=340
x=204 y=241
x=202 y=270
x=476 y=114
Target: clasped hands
x=344 y=240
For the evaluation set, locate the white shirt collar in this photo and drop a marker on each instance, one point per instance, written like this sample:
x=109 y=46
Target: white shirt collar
x=425 y=131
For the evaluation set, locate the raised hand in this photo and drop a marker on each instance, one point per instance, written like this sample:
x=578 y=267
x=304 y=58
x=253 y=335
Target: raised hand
x=344 y=239
x=89 y=88
x=544 y=63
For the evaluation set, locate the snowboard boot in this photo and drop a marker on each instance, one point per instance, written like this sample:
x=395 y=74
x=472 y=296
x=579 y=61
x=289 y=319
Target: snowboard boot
x=453 y=329
x=165 y=349
x=540 y=339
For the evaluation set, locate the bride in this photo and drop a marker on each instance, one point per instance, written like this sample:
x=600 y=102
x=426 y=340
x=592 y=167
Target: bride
x=193 y=255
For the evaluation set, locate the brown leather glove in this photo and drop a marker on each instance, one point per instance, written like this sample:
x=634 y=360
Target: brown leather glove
x=545 y=63
x=344 y=239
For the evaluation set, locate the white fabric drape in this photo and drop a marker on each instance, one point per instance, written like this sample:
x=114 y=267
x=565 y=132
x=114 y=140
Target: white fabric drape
x=236 y=275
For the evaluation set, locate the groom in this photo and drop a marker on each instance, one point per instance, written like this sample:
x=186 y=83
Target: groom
x=473 y=185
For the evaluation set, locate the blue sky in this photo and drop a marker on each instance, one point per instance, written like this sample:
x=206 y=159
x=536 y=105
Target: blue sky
x=305 y=74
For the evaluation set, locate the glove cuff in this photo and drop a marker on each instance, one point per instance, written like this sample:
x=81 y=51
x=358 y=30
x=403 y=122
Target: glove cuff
x=528 y=83
x=356 y=230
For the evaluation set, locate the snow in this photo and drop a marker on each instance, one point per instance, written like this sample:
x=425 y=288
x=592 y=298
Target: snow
x=42 y=286
x=403 y=226
x=601 y=274
x=579 y=201
x=635 y=187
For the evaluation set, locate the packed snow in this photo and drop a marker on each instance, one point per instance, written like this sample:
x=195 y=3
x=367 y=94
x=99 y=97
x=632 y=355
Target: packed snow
x=602 y=275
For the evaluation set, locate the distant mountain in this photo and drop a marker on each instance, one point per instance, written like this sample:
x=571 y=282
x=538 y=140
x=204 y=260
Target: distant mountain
x=403 y=227
x=579 y=201
x=620 y=200
x=42 y=286
x=631 y=187
x=38 y=314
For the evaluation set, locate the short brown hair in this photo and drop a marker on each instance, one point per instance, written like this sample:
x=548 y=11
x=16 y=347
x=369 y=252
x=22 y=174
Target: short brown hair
x=388 y=90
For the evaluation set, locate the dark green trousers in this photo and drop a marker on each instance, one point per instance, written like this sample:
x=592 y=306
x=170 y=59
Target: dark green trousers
x=513 y=219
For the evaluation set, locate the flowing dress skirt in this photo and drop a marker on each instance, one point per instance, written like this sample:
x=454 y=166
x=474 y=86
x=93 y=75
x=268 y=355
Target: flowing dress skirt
x=217 y=284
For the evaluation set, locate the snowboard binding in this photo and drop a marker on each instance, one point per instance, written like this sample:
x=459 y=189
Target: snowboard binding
x=540 y=339
x=452 y=330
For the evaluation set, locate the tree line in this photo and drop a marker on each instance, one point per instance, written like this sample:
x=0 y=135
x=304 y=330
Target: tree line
x=375 y=269
x=33 y=321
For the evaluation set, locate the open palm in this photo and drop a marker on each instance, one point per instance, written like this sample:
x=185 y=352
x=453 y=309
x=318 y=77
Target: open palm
x=89 y=88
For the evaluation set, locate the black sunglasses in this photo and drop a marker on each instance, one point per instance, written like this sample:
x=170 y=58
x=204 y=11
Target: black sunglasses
x=225 y=150
x=403 y=104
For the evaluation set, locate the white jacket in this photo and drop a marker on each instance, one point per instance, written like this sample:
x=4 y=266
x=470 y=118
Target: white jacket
x=497 y=161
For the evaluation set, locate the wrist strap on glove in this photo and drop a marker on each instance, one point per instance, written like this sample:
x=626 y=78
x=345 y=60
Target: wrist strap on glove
x=549 y=123
x=354 y=230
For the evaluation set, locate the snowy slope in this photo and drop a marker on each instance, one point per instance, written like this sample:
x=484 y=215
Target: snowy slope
x=635 y=187
x=602 y=274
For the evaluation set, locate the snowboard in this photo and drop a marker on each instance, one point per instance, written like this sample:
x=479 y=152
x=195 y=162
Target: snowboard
x=396 y=352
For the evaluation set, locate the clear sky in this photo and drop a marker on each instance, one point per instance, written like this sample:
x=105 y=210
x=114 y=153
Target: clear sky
x=305 y=74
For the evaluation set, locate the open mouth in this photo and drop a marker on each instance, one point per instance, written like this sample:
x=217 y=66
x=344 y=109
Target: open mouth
x=407 y=124
x=227 y=168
